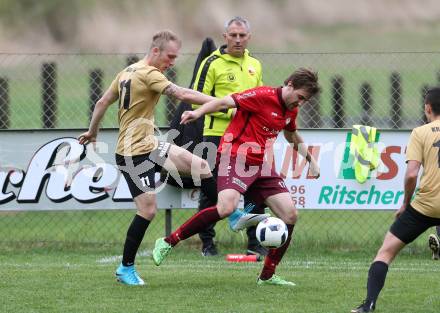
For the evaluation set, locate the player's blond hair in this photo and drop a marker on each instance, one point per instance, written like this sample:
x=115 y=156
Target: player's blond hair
x=163 y=37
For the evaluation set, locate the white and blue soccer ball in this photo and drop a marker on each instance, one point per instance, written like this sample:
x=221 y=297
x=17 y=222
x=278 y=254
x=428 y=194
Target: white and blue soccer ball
x=272 y=232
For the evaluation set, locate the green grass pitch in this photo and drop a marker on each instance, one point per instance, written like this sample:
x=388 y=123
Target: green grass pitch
x=43 y=281
x=65 y=262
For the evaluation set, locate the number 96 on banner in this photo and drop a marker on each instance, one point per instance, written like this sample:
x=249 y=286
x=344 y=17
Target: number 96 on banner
x=298 y=195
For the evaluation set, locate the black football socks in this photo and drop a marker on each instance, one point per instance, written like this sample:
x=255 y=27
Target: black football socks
x=376 y=280
x=209 y=188
x=135 y=234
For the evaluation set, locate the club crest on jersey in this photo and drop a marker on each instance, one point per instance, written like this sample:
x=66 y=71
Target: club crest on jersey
x=231 y=77
x=251 y=70
x=288 y=120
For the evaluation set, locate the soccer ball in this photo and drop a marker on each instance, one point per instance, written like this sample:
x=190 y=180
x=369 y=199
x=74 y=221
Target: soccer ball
x=272 y=232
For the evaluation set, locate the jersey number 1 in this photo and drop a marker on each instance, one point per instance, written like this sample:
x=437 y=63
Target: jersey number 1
x=124 y=93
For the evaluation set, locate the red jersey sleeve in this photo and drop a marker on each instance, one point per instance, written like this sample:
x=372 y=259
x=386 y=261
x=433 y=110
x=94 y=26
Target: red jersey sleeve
x=291 y=126
x=248 y=100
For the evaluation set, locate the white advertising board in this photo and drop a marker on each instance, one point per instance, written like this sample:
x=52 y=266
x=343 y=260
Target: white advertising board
x=49 y=170
x=337 y=187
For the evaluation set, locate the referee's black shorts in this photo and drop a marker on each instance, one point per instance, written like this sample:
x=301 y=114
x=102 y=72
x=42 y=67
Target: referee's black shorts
x=411 y=224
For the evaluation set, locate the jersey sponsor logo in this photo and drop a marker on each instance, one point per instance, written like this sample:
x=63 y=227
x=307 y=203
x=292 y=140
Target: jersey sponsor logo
x=163 y=147
x=239 y=183
x=231 y=77
x=274 y=114
x=246 y=95
x=271 y=131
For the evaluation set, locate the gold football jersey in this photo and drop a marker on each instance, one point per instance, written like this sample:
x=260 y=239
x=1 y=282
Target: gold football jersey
x=424 y=146
x=139 y=87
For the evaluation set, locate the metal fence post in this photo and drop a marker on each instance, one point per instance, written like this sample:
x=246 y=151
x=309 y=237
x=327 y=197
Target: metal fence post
x=338 y=101
x=396 y=100
x=49 y=94
x=4 y=103
x=311 y=113
x=95 y=91
x=168 y=221
x=171 y=103
x=423 y=92
x=367 y=103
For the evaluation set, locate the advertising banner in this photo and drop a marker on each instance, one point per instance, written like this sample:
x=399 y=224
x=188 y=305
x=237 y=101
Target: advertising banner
x=337 y=187
x=50 y=170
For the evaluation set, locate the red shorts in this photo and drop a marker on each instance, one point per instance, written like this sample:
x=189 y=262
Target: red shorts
x=258 y=182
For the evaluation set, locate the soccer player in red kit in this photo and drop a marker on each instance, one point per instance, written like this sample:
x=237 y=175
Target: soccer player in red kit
x=262 y=113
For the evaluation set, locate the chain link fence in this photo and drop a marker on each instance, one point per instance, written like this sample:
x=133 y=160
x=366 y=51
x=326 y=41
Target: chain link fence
x=39 y=91
x=58 y=91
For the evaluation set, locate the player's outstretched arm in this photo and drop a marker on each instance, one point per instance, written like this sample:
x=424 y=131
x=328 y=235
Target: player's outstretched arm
x=186 y=95
x=295 y=138
x=209 y=107
x=101 y=106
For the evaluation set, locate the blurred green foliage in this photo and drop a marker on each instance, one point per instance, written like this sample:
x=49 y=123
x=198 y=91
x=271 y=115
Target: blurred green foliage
x=60 y=17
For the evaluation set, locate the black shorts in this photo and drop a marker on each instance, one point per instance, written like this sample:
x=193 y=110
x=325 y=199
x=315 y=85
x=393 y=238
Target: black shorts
x=411 y=224
x=140 y=170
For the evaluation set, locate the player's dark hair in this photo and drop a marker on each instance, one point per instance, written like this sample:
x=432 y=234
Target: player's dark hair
x=304 y=78
x=433 y=98
x=163 y=37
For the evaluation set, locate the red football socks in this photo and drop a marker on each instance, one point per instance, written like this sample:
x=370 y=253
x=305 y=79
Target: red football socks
x=274 y=257
x=194 y=225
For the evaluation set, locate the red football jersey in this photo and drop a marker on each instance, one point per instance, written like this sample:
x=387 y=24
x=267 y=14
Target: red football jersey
x=261 y=115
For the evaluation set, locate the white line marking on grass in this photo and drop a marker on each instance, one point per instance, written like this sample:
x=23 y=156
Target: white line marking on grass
x=309 y=265
x=195 y=265
x=116 y=258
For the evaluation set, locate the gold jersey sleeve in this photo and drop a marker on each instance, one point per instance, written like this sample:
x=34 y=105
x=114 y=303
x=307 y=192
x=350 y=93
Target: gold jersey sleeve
x=114 y=87
x=157 y=81
x=424 y=147
x=139 y=87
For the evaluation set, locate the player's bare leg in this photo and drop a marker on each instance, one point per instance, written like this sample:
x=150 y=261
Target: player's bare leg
x=146 y=205
x=282 y=206
x=184 y=162
x=227 y=202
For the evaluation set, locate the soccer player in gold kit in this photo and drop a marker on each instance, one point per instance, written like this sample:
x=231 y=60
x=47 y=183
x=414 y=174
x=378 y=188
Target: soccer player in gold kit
x=416 y=216
x=139 y=154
